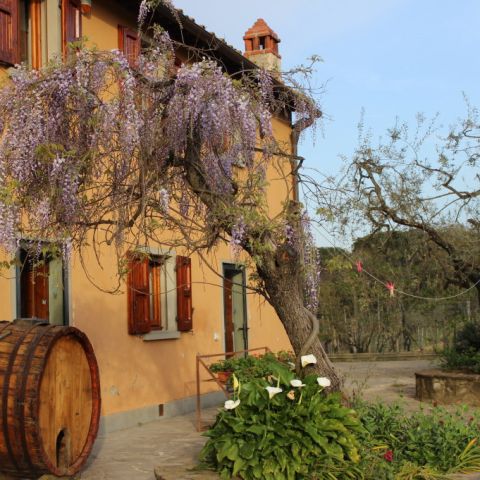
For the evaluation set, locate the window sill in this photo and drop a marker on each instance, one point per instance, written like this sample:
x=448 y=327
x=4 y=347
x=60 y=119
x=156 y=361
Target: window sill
x=159 y=335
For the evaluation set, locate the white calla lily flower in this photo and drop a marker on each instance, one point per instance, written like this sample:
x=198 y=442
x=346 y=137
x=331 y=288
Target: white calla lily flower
x=272 y=391
x=324 y=381
x=308 y=360
x=231 y=404
x=296 y=383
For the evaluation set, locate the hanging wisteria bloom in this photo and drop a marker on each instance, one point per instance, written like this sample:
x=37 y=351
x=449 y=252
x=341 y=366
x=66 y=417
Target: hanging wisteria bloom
x=97 y=152
x=206 y=105
x=143 y=11
x=291 y=235
x=312 y=266
x=239 y=231
x=65 y=133
x=164 y=200
x=147 y=6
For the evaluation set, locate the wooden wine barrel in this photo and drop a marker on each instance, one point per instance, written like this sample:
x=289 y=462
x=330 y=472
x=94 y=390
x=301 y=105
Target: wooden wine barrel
x=49 y=399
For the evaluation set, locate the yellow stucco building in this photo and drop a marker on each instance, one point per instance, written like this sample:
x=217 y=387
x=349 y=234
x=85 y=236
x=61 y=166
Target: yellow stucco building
x=143 y=375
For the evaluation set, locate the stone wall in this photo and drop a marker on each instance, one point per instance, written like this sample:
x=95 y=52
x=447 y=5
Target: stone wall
x=448 y=387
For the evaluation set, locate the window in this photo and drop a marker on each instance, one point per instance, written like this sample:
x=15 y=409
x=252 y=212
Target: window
x=34 y=31
x=129 y=44
x=71 y=22
x=41 y=291
x=159 y=294
x=33 y=41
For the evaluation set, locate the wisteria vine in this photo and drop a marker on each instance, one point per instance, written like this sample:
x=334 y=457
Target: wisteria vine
x=95 y=144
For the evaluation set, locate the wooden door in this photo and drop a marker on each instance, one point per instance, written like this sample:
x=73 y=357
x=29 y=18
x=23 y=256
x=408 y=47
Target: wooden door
x=228 y=314
x=35 y=292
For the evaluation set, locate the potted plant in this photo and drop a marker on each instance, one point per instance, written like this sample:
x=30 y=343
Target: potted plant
x=223 y=369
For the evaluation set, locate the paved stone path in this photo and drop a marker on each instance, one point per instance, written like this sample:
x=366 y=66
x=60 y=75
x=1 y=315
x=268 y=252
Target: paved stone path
x=173 y=444
x=134 y=453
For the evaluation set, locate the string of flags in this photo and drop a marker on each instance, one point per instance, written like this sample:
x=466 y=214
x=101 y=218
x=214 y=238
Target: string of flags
x=389 y=285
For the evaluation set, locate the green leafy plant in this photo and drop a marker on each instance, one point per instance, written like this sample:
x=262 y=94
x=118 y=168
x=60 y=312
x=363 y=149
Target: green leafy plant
x=274 y=431
x=278 y=427
x=468 y=338
x=254 y=367
x=423 y=444
x=465 y=353
x=468 y=360
x=223 y=365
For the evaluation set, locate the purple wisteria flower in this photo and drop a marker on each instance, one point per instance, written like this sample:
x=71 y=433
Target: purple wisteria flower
x=312 y=266
x=208 y=106
x=290 y=235
x=143 y=12
x=164 y=200
x=83 y=139
x=239 y=233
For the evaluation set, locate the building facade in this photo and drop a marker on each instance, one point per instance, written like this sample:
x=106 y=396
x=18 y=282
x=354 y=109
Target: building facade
x=170 y=307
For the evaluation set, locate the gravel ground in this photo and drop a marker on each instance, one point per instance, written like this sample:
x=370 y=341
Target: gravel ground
x=384 y=381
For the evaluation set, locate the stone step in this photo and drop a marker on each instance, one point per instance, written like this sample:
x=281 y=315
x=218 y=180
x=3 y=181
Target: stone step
x=184 y=473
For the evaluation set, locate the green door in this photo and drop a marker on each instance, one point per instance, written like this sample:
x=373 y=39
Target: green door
x=235 y=317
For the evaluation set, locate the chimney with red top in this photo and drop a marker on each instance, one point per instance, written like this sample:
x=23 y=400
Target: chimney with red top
x=261 y=46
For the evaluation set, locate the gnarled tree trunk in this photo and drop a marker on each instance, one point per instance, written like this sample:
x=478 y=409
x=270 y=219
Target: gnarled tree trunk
x=282 y=275
x=280 y=267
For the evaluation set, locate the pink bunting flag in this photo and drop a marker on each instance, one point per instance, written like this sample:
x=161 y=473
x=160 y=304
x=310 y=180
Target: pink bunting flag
x=391 y=288
x=359 y=266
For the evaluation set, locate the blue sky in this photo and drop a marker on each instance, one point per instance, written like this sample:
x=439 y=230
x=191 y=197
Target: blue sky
x=390 y=57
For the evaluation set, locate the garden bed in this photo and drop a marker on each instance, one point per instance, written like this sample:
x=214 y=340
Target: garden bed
x=448 y=387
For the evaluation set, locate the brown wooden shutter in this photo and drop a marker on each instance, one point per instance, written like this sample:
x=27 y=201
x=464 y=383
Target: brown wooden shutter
x=129 y=44
x=138 y=296
x=9 y=32
x=71 y=22
x=184 y=294
x=35 y=13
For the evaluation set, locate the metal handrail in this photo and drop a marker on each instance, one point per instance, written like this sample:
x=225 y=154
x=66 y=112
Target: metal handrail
x=200 y=362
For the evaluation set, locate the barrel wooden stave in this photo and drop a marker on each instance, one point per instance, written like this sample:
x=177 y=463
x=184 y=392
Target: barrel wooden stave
x=37 y=361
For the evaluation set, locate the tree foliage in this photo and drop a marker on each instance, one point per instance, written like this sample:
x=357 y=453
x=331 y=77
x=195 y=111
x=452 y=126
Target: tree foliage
x=358 y=312
x=418 y=179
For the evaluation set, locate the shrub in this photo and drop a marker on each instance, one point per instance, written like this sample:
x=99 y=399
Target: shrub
x=273 y=429
x=468 y=338
x=429 y=443
x=468 y=360
x=465 y=354
x=297 y=433
x=255 y=367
